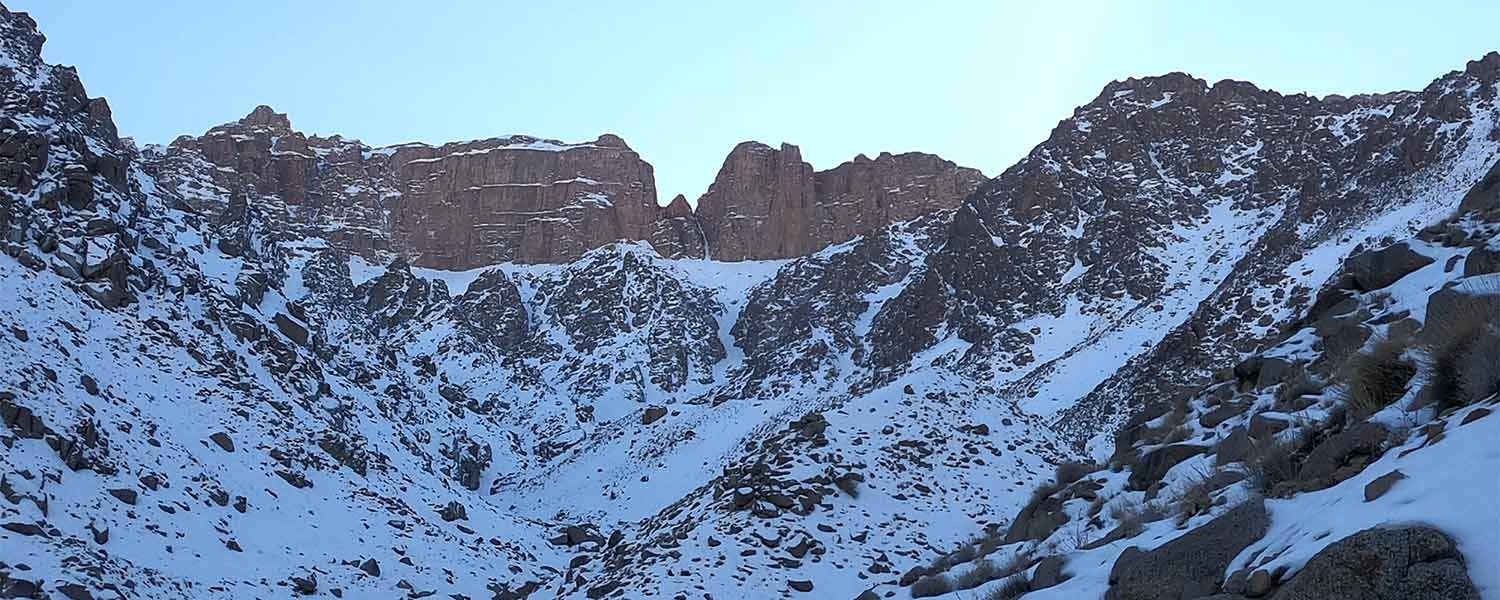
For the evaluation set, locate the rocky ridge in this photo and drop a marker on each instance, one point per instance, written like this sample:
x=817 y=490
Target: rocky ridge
x=527 y=200
x=825 y=424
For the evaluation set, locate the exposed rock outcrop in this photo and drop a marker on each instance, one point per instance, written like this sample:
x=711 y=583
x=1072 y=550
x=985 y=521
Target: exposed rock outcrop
x=1412 y=563
x=529 y=200
x=767 y=203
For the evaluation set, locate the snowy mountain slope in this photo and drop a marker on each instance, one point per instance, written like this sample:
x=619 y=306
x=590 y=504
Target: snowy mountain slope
x=626 y=424
x=1346 y=468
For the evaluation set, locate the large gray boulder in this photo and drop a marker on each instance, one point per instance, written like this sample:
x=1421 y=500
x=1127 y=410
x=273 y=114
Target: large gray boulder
x=1379 y=268
x=1410 y=563
x=1154 y=465
x=1192 y=565
x=1342 y=455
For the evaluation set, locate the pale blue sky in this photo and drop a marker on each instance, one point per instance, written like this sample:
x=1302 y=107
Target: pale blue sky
x=977 y=82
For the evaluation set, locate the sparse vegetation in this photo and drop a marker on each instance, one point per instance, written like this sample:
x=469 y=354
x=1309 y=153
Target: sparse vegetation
x=983 y=571
x=1013 y=587
x=1133 y=515
x=1172 y=424
x=1378 y=377
x=1297 y=385
x=1464 y=356
x=1196 y=496
x=932 y=585
x=1272 y=463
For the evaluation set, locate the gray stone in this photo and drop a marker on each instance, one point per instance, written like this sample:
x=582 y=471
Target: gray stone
x=1192 y=565
x=1154 y=465
x=291 y=329
x=1265 y=425
x=223 y=441
x=1235 y=447
x=1360 y=440
x=1376 y=269
x=1482 y=261
x=1382 y=484
x=1048 y=573
x=1412 y=563
x=1225 y=412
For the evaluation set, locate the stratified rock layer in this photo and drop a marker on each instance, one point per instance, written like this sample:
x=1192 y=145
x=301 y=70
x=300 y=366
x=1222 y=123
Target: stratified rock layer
x=528 y=200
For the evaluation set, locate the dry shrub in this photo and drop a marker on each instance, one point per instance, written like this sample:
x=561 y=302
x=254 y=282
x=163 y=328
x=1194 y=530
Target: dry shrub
x=1375 y=379
x=1464 y=355
x=932 y=585
x=1133 y=515
x=1196 y=496
x=1273 y=462
x=1013 y=587
x=1172 y=424
x=1297 y=385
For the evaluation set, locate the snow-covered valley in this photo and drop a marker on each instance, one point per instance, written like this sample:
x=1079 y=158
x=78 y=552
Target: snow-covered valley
x=214 y=388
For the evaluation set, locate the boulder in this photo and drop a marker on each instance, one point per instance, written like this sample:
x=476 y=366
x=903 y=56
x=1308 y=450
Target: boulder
x=1153 y=465
x=223 y=440
x=1048 y=573
x=1376 y=269
x=801 y=585
x=1192 y=565
x=1235 y=447
x=652 y=414
x=1352 y=446
x=1382 y=484
x=291 y=329
x=125 y=495
x=1264 y=425
x=1411 y=563
x=1482 y=261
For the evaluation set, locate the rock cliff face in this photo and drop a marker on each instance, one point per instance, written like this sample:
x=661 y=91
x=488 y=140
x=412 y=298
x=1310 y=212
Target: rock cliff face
x=518 y=199
x=767 y=203
x=528 y=200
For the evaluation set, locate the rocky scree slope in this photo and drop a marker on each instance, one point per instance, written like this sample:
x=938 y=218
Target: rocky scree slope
x=207 y=365
x=1320 y=466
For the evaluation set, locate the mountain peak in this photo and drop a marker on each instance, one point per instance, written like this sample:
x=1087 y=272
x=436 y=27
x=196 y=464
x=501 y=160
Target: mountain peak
x=265 y=116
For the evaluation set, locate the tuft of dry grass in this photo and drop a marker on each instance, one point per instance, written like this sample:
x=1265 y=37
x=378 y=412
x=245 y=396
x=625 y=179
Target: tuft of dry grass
x=1013 y=587
x=1464 y=354
x=1297 y=385
x=1196 y=496
x=1273 y=462
x=1378 y=377
x=932 y=585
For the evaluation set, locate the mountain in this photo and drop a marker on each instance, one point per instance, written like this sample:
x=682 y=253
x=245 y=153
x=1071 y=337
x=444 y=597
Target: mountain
x=527 y=200
x=256 y=363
